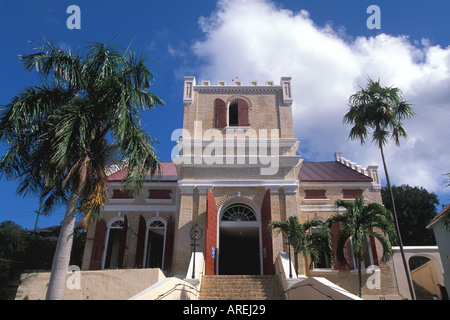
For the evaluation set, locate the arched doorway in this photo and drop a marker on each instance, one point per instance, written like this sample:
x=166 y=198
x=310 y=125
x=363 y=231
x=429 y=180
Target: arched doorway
x=424 y=278
x=239 y=241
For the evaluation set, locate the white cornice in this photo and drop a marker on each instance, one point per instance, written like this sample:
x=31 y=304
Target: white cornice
x=140 y=207
x=236 y=88
x=290 y=185
x=320 y=208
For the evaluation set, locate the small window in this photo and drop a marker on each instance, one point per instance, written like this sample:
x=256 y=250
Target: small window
x=315 y=194
x=159 y=194
x=352 y=193
x=157 y=224
x=238 y=212
x=233 y=114
x=122 y=194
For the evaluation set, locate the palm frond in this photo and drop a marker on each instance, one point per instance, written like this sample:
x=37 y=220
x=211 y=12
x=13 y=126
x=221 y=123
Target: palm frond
x=379 y=108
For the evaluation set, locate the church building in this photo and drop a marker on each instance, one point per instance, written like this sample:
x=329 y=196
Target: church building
x=235 y=168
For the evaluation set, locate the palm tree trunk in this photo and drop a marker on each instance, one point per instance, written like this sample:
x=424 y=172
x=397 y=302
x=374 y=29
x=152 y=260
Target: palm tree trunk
x=358 y=262
x=400 y=243
x=296 y=262
x=61 y=259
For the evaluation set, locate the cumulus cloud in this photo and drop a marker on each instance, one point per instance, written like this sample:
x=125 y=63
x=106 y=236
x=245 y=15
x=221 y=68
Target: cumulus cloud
x=257 y=40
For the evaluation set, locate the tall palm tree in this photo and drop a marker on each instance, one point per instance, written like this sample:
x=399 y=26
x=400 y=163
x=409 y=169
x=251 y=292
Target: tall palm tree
x=380 y=110
x=358 y=223
x=64 y=133
x=303 y=241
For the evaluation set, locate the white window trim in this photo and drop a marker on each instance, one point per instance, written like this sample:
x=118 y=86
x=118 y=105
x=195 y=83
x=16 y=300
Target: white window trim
x=363 y=265
x=147 y=230
x=330 y=269
x=109 y=227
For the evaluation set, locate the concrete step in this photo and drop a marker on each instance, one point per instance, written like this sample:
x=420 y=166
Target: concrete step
x=241 y=287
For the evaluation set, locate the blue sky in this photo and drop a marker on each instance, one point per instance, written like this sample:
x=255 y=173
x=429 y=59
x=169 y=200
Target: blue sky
x=324 y=45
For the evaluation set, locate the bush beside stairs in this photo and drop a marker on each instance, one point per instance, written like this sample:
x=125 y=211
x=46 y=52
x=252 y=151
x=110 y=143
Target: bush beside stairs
x=241 y=287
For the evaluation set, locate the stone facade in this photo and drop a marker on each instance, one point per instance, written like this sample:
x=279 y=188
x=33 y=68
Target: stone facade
x=230 y=178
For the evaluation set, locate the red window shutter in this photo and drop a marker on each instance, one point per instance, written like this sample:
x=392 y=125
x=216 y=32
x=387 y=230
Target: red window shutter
x=159 y=194
x=140 y=243
x=243 y=113
x=374 y=250
x=211 y=234
x=98 y=245
x=348 y=254
x=169 y=244
x=266 y=217
x=119 y=194
x=335 y=230
x=123 y=241
x=315 y=194
x=221 y=113
x=352 y=193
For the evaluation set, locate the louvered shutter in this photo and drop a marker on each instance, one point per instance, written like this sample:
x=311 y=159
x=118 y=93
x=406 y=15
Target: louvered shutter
x=211 y=234
x=221 y=113
x=374 y=250
x=243 y=113
x=169 y=244
x=266 y=217
x=123 y=242
x=335 y=230
x=98 y=245
x=140 y=243
x=348 y=254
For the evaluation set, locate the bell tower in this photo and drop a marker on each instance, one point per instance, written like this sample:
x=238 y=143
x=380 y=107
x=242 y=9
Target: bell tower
x=237 y=167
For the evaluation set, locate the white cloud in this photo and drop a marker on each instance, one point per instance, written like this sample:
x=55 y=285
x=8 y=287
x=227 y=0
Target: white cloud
x=254 y=39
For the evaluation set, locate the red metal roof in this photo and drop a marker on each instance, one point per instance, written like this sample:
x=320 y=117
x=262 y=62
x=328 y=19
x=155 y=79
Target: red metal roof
x=329 y=171
x=318 y=171
x=168 y=172
x=439 y=215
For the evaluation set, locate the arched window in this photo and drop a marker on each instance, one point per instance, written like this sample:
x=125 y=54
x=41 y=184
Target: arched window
x=324 y=262
x=233 y=115
x=154 y=244
x=114 y=239
x=237 y=113
x=238 y=212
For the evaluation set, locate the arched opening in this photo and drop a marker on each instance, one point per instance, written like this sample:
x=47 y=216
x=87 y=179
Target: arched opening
x=114 y=238
x=154 y=244
x=238 y=113
x=233 y=118
x=239 y=241
x=424 y=278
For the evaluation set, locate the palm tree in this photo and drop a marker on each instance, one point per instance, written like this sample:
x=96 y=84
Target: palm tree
x=311 y=244
x=64 y=133
x=358 y=223
x=380 y=109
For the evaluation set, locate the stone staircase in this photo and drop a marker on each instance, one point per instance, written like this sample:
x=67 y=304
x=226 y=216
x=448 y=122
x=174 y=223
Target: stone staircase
x=241 y=287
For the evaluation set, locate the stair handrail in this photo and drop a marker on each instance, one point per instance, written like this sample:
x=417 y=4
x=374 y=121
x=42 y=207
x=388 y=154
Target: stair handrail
x=162 y=295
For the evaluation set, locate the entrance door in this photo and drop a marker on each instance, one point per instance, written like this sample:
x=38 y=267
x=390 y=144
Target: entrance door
x=239 y=241
x=239 y=251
